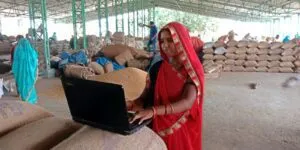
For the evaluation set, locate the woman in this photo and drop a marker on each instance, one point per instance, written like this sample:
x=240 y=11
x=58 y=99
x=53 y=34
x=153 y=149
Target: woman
x=175 y=91
x=25 y=70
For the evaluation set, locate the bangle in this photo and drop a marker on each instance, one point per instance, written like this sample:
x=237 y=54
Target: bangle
x=172 y=108
x=154 y=112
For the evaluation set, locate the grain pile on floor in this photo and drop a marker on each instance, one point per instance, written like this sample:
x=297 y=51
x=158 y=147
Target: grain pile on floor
x=245 y=56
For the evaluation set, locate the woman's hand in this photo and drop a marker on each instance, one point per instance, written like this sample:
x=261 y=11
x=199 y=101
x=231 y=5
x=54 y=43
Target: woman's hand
x=134 y=106
x=143 y=115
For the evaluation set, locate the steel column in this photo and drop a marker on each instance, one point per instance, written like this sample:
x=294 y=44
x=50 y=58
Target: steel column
x=79 y=18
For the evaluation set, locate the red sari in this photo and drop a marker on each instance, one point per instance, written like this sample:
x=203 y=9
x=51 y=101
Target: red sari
x=182 y=131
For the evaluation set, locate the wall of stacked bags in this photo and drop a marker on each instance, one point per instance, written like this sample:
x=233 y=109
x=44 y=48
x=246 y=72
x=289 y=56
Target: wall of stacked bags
x=245 y=56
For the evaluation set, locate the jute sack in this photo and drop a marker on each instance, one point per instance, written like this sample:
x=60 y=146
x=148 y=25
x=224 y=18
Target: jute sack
x=14 y=114
x=288 y=45
x=229 y=62
x=231 y=50
x=297 y=70
x=88 y=138
x=263 y=57
x=250 y=63
x=263 y=51
x=297 y=63
x=218 y=44
x=261 y=69
x=219 y=57
x=241 y=51
x=230 y=56
x=124 y=57
x=239 y=62
x=232 y=43
x=242 y=44
x=208 y=62
x=208 y=57
x=272 y=64
x=227 y=68
x=208 y=51
x=274 y=57
x=286 y=70
x=108 y=68
x=252 y=44
x=111 y=51
x=250 y=69
x=139 y=63
x=253 y=50
x=287 y=64
x=276 y=45
x=263 y=45
x=288 y=52
x=288 y=58
x=274 y=69
x=241 y=56
x=42 y=134
x=262 y=63
x=133 y=81
x=220 y=62
x=80 y=72
x=238 y=69
x=252 y=57
x=275 y=51
x=97 y=68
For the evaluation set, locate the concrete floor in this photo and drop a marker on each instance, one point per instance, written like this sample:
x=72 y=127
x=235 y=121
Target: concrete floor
x=235 y=116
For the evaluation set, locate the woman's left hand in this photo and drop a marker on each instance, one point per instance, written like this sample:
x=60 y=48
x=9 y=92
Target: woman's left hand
x=143 y=115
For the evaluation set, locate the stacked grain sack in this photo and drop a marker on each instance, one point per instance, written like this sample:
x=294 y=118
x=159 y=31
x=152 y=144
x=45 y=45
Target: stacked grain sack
x=118 y=38
x=58 y=46
x=285 y=54
x=213 y=59
x=297 y=62
x=40 y=49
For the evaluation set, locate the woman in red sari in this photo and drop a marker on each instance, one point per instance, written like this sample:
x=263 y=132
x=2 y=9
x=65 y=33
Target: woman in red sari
x=174 y=96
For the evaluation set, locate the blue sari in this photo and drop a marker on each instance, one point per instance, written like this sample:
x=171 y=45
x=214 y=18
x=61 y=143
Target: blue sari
x=25 y=68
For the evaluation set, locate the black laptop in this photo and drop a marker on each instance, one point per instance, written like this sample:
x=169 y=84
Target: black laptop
x=98 y=104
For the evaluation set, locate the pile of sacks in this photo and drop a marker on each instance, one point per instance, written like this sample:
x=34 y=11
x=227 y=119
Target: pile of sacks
x=59 y=46
x=251 y=56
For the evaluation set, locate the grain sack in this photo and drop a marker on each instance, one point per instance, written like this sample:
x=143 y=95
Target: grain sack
x=220 y=51
x=250 y=63
x=139 y=63
x=218 y=44
x=219 y=57
x=252 y=57
x=276 y=45
x=208 y=62
x=14 y=114
x=275 y=51
x=227 y=68
x=219 y=62
x=252 y=50
x=263 y=51
x=288 y=45
x=262 y=57
x=273 y=64
x=78 y=71
x=286 y=70
x=208 y=57
x=288 y=58
x=250 y=69
x=208 y=51
x=140 y=54
x=108 y=68
x=213 y=68
x=297 y=63
x=252 y=44
x=97 y=68
x=133 y=81
x=241 y=51
x=274 y=69
x=111 y=51
x=242 y=44
x=287 y=64
x=123 y=58
x=230 y=56
x=231 y=50
x=239 y=62
x=274 y=57
x=288 y=52
x=229 y=62
x=89 y=138
x=241 y=56
x=238 y=69
x=208 y=45
x=263 y=45
x=232 y=43
x=261 y=69
x=297 y=70
x=262 y=63
x=42 y=134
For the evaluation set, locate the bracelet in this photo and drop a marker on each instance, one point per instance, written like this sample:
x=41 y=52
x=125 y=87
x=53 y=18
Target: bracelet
x=154 y=111
x=172 y=108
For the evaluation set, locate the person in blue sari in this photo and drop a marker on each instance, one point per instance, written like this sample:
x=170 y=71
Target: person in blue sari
x=25 y=70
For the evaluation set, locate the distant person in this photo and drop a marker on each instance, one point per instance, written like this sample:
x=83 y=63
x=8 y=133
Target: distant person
x=277 y=38
x=72 y=46
x=1 y=37
x=53 y=37
x=151 y=46
x=286 y=39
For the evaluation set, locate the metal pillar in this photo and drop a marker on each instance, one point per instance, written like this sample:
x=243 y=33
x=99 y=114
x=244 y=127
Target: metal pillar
x=131 y=17
x=38 y=14
x=119 y=15
x=78 y=14
x=103 y=9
